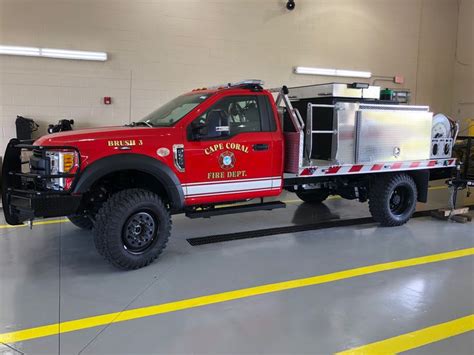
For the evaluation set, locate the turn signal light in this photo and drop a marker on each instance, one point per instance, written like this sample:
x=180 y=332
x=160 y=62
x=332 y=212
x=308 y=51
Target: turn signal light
x=68 y=162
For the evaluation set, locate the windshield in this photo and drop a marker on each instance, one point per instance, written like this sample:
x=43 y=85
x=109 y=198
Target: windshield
x=173 y=111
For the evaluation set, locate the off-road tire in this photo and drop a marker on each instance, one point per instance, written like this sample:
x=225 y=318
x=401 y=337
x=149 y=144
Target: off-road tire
x=114 y=215
x=313 y=196
x=381 y=195
x=81 y=221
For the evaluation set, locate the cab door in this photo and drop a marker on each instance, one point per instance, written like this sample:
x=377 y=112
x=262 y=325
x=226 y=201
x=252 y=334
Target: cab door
x=229 y=152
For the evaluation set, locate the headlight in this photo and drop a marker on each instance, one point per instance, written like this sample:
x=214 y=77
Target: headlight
x=61 y=163
x=66 y=162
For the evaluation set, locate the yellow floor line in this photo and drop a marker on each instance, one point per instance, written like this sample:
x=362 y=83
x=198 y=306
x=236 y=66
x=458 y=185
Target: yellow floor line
x=415 y=339
x=104 y=319
x=36 y=223
x=438 y=187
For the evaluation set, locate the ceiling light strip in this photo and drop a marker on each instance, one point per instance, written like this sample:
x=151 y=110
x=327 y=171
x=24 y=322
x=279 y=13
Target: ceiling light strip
x=53 y=53
x=332 y=72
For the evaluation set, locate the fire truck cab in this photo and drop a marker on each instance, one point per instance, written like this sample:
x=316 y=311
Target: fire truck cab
x=234 y=143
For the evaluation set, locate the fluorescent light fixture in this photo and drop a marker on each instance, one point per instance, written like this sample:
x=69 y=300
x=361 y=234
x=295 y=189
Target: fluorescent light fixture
x=69 y=54
x=53 y=53
x=353 y=73
x=13 y=50
x=332 y=72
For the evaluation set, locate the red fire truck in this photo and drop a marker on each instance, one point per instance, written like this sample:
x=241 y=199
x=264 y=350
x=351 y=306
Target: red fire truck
x=234 y=143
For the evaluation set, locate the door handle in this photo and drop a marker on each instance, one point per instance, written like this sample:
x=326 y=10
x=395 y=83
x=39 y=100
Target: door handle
x=260 y=146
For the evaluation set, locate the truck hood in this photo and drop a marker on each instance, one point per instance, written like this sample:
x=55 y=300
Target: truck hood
x=73 y=138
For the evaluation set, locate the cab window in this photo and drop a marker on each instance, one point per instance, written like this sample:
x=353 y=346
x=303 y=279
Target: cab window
x=230 y=116
x=170 y=113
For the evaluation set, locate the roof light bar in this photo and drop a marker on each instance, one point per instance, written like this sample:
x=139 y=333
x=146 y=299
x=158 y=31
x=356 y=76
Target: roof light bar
x=239 y=83
x=53 y=53
x=249 y=82
x=332 y=72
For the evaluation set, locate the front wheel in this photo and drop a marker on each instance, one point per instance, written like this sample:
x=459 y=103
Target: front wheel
x=132 y=228
x=392 y=199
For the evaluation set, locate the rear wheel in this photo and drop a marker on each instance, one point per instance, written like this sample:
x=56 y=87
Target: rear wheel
x=132 y=228
x=392 y=199
x=81 y=221
x=313 y=196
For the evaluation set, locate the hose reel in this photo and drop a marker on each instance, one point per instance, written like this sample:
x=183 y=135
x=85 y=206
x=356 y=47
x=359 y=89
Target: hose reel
x=443 y=134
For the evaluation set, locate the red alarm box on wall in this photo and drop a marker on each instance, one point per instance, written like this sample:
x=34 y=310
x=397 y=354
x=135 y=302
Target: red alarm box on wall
x=107 y=100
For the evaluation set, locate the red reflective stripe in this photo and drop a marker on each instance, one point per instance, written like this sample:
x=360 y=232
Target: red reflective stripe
x=376 y=167
x=306 y=172
x=416 y=164
x=451 y=162
x=432 y=163
x=397 y=165
x=333 y=170
x=355 y=168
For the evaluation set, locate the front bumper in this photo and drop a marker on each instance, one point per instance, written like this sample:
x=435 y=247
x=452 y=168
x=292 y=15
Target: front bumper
x=24 y=196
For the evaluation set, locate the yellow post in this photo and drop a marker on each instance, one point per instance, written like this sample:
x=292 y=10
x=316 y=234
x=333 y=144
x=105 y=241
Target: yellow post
x=470 y=127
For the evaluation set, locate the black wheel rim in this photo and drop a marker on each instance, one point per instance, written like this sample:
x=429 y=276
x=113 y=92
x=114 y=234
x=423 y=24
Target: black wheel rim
x=399 y=201
x=139 y=232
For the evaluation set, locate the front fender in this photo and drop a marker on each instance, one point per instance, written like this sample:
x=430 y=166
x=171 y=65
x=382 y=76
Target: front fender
x=139 y=162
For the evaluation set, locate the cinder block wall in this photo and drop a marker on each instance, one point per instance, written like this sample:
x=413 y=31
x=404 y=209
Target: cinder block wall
x=463 y=93
x=161 y=48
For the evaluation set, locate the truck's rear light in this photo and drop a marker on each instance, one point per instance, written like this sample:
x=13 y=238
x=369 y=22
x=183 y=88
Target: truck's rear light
x=178 y=154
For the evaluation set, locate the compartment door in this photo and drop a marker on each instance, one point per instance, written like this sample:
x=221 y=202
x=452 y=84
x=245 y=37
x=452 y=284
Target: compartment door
x=393 y=134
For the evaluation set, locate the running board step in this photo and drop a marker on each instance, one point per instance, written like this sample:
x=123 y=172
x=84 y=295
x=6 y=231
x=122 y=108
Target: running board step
x=267 y=206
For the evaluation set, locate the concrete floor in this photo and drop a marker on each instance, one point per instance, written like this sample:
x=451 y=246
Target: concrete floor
x=52 y=273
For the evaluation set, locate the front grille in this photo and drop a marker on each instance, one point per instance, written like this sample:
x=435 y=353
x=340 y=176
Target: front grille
x=39 y=164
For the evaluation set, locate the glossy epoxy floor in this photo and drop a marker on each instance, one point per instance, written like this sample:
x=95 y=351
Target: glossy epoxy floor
x=52 y=274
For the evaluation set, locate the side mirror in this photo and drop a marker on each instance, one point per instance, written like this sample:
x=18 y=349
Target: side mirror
x=216 y=126
x=198 y=130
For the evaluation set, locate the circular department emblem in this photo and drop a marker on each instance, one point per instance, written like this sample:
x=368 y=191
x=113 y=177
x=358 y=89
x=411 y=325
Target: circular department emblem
x=227 y=160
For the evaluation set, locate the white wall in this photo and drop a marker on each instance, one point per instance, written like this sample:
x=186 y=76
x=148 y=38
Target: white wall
x=161 y=48
x=463 y=94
